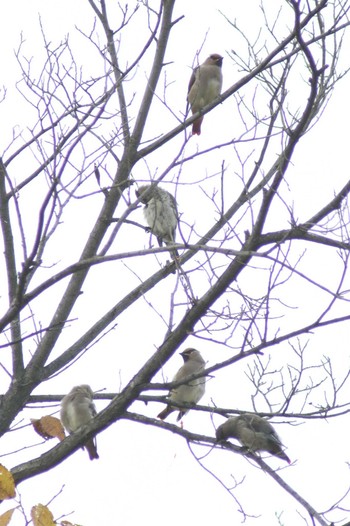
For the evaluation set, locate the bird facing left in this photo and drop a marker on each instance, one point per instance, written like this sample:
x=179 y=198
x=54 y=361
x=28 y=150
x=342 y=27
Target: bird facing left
x=254 y=433
x=160 y=212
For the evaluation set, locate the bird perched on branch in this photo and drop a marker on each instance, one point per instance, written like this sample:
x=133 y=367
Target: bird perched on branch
x=160 y=213
x=204 y=87
x=77 y=409
x=190 y=392
x=253 y=432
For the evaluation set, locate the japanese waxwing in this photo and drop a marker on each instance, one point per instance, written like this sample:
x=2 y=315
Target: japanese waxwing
x=204 y=87
x=160 y=212
x=77 y=409
x=253 y=432
x=190 y=392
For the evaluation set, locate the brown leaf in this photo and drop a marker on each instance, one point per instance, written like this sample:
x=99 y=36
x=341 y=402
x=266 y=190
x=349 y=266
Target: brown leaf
x=6 y=517
x=49 y=427
x=7 y=484
x=42 y=516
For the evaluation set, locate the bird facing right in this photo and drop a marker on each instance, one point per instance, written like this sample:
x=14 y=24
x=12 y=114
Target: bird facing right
x=190 y=392
x=204 y=87
x=78 y=409
x=253 y=432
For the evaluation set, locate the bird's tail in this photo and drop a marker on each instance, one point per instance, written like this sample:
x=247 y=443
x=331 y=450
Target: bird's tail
x=173 y=253
x=281 y=454
x=196 y=127
x=166 y=412
x=180 y=415
x=91 y=449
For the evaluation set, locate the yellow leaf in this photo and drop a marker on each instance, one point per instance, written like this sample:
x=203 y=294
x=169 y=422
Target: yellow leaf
x=7 y=484
x=42 y=516
x=49 y=427
x=6 y=517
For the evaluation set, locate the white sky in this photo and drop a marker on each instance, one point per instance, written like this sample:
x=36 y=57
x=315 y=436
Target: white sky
x=144 y=474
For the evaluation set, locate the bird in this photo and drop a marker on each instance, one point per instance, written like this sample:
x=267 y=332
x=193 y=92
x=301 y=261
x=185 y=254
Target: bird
x=160 y=213
x=204 y=87
x=77 y=409
x=190 y=392
x=253 y=432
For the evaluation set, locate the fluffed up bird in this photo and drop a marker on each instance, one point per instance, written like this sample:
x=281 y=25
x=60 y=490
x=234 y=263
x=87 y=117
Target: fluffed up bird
x=205 y=85
x=160 y=213
x=253 y=432
x=77 y=409
x=190 y=392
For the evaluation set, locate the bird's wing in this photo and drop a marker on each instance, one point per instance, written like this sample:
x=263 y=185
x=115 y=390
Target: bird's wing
x=192 y=81
x=92 y=408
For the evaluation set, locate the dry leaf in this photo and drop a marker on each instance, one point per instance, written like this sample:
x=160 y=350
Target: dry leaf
x=49 y=427
x=6 y=517
x=7 y=484
x=42 y=516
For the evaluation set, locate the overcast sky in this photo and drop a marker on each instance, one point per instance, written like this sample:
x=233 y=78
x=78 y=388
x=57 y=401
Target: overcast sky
x=145 y=474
